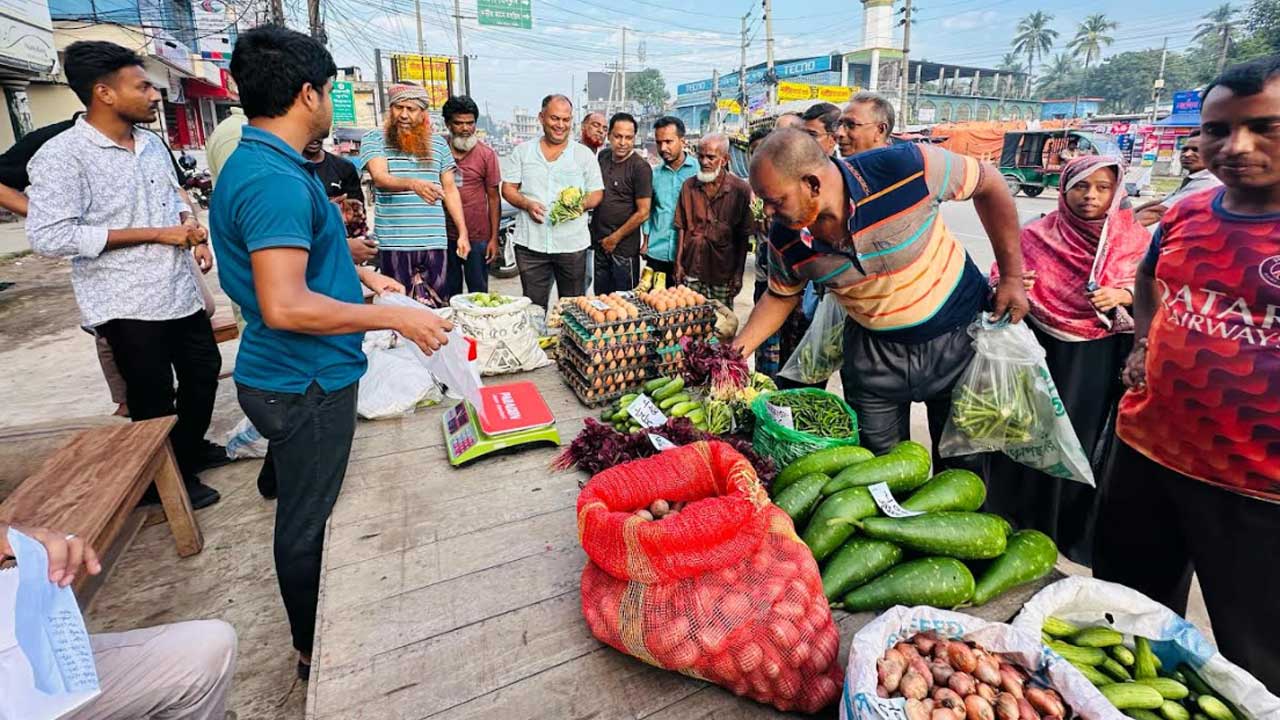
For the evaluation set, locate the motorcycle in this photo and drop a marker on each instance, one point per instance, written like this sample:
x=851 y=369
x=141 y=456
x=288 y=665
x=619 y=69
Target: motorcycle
x=199 y=185
x=504 y=265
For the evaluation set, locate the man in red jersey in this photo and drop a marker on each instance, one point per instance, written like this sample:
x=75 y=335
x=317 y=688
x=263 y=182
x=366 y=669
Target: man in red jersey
x=1195 y=484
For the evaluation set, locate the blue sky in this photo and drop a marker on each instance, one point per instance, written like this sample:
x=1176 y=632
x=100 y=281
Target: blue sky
x=686 y=39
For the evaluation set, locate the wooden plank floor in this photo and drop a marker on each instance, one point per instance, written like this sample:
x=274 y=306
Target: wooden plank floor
x=454 y=593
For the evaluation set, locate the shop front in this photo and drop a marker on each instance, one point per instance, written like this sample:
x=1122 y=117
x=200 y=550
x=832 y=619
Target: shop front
x=28 y=55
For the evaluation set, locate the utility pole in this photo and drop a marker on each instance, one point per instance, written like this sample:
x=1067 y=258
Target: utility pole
x=315 y=23
x=906 y=49
x=623 y=95
x=772 y=80
x=377 y=79
x=417 y=9
x=715 y=101
x=742 y=76
x=462 y=59
x=277 y=12
x=1157 y=87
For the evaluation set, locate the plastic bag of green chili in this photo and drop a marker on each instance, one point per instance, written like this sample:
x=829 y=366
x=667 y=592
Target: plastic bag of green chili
x=821 y=351
x=1006 y=402
x=793 y=423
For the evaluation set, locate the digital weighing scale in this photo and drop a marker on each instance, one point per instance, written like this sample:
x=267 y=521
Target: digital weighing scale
x=511 y=415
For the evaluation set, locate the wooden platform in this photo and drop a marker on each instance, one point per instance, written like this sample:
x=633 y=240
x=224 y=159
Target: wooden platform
x=454 y=593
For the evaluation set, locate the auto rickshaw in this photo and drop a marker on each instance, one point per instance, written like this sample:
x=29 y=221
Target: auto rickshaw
x=1032 y=160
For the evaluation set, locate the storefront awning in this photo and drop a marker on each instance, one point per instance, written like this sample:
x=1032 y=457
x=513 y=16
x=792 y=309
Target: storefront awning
x=1181 y=120
x=200 y=89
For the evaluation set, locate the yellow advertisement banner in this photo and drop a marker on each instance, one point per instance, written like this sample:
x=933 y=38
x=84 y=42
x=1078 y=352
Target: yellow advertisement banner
x=426 y=69
x=729 y=105
x=790 y=91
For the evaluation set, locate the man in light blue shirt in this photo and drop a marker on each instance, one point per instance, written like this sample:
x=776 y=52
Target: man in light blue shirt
x=547 y=246
x=659 y=247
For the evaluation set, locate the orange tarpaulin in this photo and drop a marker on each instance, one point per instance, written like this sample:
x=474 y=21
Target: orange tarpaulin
x=984 y=140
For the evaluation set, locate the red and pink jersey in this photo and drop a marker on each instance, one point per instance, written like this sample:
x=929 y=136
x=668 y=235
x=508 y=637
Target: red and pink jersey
x=1211 y=408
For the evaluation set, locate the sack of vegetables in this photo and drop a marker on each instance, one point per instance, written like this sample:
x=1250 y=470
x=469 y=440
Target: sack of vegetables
x=1120 y=638
x=692 y=569
x=793 y=423
x=921 y=663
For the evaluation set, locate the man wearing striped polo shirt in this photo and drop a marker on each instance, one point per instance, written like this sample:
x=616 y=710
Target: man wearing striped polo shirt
x=868 y=228
x=413 y=172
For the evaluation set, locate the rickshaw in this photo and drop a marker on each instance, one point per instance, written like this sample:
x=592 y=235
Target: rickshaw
x=1031 y=160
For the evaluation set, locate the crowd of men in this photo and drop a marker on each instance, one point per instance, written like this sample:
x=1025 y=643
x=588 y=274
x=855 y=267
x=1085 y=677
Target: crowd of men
x=844 y=212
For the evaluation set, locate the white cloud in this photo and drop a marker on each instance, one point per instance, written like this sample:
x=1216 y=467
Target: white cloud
x=971 y=20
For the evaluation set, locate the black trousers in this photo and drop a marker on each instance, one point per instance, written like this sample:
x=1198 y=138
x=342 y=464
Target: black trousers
x=615 y=273
x=539 y=269
x=882 y=378
x=1157 y=526
x=662 y=266
x=149 y=354
x=1087 y=375
x=474 y=270
x=310 y=435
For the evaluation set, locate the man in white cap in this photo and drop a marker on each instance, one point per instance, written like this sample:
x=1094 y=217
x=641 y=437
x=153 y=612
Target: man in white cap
x=413 y=171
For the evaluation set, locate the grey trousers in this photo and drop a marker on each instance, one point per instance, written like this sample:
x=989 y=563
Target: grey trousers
x=169 y=672
x=538 y=270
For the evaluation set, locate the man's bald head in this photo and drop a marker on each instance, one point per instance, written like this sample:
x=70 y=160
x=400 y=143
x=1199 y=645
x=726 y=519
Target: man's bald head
x=791 y=153
x=788 y=120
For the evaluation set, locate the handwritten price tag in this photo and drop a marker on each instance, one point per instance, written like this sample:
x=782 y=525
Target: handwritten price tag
x=660 y=443
x=889 y=506
x=781 y=415
x=645 y=412
x=600 y=305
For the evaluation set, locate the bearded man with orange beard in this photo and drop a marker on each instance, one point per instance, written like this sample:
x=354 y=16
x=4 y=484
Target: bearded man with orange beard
x=868 y=228
x=413 y=175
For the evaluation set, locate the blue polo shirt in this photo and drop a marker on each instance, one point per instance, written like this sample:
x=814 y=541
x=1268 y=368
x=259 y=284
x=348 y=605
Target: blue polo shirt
x=268 y=196
x=661 y=225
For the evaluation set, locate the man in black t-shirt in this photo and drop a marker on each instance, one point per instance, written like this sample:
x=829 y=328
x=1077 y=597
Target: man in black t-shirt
x=615 y=224
x=337 y=173
x=13 y=165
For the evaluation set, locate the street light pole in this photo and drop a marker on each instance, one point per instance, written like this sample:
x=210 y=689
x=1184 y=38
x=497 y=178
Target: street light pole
x=462 y=59
x=768 y=50
x=906 y=49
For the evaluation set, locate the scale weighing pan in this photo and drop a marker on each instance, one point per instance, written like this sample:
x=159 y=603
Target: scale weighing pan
x=513 y=415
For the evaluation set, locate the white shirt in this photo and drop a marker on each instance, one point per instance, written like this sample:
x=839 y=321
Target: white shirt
x=542 y=181
x=83 y=185
x=1194 y=183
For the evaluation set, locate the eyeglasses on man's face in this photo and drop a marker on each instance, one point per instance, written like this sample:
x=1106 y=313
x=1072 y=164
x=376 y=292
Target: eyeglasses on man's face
x=853 y=124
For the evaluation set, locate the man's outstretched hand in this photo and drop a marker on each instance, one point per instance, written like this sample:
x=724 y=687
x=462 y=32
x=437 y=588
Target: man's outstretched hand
x=67 y=553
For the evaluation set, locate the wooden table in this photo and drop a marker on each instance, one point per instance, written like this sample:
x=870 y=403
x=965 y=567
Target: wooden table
x=454 y=593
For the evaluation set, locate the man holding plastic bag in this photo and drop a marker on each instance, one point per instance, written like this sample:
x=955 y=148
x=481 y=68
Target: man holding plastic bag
x=284 y=260
x=869 y=229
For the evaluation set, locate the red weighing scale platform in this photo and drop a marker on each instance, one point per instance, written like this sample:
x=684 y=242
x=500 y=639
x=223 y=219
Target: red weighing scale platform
x=511 y=415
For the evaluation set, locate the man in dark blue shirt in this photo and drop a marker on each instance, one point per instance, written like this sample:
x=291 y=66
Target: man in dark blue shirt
x=283 y=258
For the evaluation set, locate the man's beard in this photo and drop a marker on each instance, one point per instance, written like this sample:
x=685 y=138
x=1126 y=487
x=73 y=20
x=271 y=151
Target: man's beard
x=415 y=140
x=464 y=143
x=708 y=177
x=810 y=216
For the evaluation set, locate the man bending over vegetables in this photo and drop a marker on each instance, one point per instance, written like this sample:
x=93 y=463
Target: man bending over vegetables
x=868 y=228
x=1194 y=484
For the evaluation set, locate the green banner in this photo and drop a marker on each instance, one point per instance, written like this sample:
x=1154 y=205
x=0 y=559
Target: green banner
x=344 y=102
x=506 y=13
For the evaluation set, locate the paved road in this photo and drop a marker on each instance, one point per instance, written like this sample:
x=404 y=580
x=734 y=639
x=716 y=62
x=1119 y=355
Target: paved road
x=963 y=221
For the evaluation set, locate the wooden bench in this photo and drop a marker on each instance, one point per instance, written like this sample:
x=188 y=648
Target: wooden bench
x=92 y=486
x=224 y=327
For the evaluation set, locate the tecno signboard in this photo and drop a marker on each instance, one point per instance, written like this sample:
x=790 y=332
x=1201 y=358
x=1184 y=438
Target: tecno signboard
x=755 y=75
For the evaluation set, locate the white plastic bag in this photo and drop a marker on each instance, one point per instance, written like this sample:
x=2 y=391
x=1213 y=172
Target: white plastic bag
x=1006 y=402
x=244 y=441
x=820 y=352
x=454 y=364
x=395 y=383
x=506 y=340
x=1088 y=602
x=898 y=623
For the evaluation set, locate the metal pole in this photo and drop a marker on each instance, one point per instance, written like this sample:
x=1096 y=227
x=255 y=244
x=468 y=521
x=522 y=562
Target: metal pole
x=742 y=76
x=906 y=75
x=715 y=101
x=768 y=52
x=1158 y=85
x=377 y=79
x=417 y=10
x=462 y=59
x=623 y=94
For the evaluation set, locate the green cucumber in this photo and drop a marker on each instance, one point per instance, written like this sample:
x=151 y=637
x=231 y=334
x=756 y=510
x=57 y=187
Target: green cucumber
x=902 y=471
x=1058 y=627
x=830 y=525
x=799 y=499
x=671 y=388
x=856 y=562
x=656 y=384
x=1029 y=555
x=698 y=416
x=1099 y=637
x=828 y=462
x=1122 y=654
x=967 y=536
x=937 y=581
x=1144 y=660
x=1112 y=667
x=684 y=408
x=1169 y=688
x=1077 y=655
x=1214 y=708
x=1139 y=714
x=1093 y=675
x=1131 y=696
x=949 y=490
x=674 y=400
x=1174 y=711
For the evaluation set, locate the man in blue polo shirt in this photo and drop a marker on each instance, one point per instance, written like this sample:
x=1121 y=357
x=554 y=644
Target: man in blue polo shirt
x=659 y=247
x=283 y=258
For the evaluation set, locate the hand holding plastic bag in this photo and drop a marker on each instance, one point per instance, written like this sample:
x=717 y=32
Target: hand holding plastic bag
x=454 y=363
x=1006 y=402
x=821 y=350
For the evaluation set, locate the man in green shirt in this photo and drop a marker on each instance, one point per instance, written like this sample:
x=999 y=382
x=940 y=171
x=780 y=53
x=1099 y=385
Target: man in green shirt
x=659 y=246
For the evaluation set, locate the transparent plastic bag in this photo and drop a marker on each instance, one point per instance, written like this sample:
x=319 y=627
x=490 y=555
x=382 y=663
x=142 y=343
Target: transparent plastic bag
x=1006 y=402
x=821 y=350
x=244 y=441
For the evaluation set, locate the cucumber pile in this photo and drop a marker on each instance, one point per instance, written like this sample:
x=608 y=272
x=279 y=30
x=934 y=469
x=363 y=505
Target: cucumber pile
x=950 y=555
x=671 y=396
x=1131 y=676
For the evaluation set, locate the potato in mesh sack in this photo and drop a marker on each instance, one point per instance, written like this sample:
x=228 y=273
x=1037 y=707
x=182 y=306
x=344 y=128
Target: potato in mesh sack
x=723 y=591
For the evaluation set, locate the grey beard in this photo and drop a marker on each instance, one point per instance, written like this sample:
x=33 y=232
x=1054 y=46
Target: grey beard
x=464 y=144
x=708 y=177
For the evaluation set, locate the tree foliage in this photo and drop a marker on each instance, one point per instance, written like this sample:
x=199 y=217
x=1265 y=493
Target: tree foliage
x=1034 y=37
x=1262 y=19
x=648 y=88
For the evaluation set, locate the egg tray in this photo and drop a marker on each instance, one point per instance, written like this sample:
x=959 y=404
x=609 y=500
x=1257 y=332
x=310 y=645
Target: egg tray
x=596 y=362
x=592 y=336
x=592 y=396
x=670 y=360
x=670 y=335
x=681 y=316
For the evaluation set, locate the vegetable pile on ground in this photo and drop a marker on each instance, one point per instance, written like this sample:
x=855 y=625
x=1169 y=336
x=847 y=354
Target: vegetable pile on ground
x=489 y=299
x=599 y=447
x=956 y=680
x=871 y=561
x=670 y=396
x=720 y=590
x=1131 y=676
x=719 y=365
x=790 y=424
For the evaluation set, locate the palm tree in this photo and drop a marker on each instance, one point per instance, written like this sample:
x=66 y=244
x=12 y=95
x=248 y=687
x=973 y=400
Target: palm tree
x=1057 y=76
x=1091 y=37
x=1220 y=23
x=1034 y=38
x=1010 y=63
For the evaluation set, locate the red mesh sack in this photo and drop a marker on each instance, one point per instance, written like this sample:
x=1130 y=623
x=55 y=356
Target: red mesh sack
x=724 y=591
